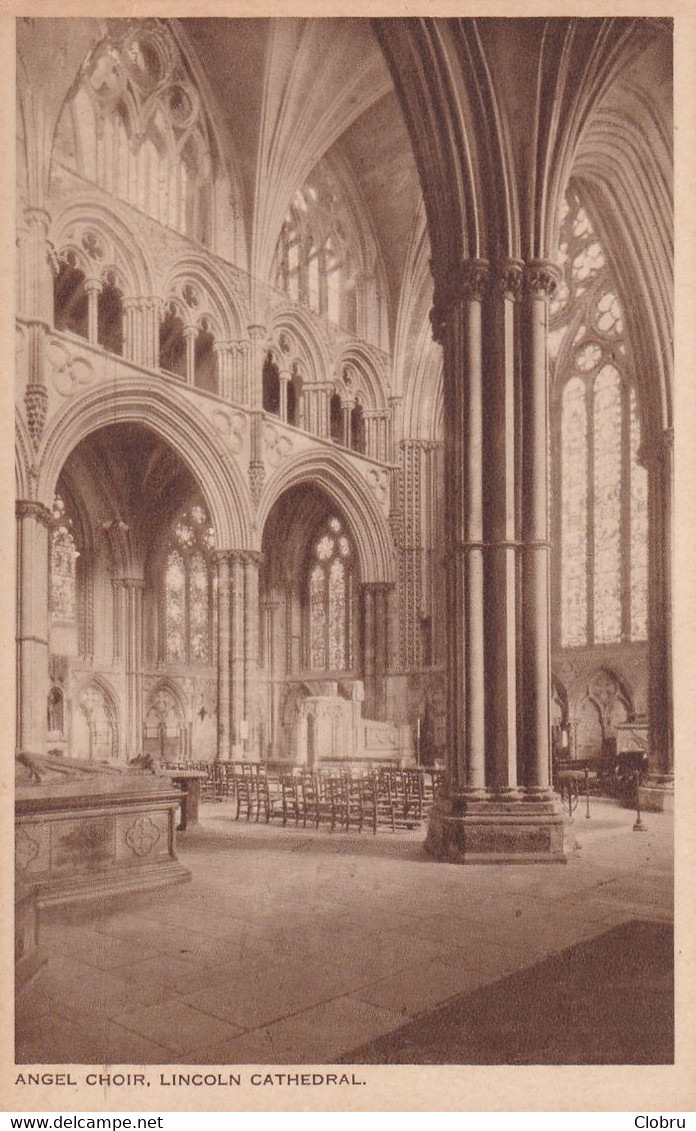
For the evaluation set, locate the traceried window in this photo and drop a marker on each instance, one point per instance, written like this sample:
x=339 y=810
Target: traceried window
x=70 y=303
x=64 y=555
x=330 y=584
x=314 y=261
x=189 y=590
x=136 y=127
x=110 y=316
x=602 y=511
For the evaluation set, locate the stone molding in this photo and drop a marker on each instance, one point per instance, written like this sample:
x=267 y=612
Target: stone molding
x=30 y=508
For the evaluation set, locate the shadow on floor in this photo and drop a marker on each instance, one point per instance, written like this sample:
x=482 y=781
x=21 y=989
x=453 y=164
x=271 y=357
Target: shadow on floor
x=606 y=1001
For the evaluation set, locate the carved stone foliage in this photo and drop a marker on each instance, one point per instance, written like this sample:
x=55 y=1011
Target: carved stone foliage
x=257 y=476
x=36 y=404
x=542 y=277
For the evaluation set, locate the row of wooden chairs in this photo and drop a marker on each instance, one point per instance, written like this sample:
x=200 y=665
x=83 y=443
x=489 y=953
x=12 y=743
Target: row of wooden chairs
x=341 y=799
x=341 y=796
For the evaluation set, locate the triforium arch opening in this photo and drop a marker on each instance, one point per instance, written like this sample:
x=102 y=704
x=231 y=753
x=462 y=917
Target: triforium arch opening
x=324 y=633
x=132 y=600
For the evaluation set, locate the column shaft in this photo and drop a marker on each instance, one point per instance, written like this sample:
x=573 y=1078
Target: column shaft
x=661 y=734
x=236 y=648
x=133 y=639
x=33 y=522
x=223 y=719
x=474 y=776
x=251 y=646
x=499 y=536
x=535 y=645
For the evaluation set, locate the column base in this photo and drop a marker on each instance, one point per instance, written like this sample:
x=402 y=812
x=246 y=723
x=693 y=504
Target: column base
x=464 y=831
x=656 y=793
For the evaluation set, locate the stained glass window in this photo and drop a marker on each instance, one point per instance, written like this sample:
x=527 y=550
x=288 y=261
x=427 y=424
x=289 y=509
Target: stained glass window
x=190 y=592
x=330 y=599
x=175 y=590
x=64 y=555
x=607 y=507
x=317 y=618
x=602 y=514
x=574 y=513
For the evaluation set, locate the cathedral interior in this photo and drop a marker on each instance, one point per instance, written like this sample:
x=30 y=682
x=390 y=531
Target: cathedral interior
x=344 y=405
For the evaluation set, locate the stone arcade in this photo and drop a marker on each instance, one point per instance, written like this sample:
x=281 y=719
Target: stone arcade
x=306 y=311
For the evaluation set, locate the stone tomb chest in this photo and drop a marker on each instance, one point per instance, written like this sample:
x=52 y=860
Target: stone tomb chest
x=96 y=835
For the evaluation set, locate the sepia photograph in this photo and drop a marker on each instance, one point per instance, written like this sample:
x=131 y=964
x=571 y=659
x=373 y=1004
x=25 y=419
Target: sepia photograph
x=344 y=426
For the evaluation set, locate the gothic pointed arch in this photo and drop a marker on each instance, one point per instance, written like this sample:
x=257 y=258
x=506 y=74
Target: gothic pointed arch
x=366 y=375
x=295 y=340
x=205 y=292
x=96 y=728
x=336 y=475
x=173 y=418
x=100 y=237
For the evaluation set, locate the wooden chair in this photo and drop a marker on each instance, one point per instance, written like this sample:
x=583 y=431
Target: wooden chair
x=245 y=792
x=270 y=797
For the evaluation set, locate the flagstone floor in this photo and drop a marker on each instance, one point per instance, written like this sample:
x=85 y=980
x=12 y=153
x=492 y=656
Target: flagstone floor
x=293 y=946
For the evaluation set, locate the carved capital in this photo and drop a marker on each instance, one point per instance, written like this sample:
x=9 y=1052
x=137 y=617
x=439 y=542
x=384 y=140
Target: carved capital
x=38 y=216
x=377 y=587
x=509 y=275
x=471 y=280
x=36 y=404
x=542 y=277
x=240 y=557
x=30 y=508
x=466 y=281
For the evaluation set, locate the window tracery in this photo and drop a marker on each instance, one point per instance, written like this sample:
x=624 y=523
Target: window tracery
x=137 y=128
x=189 y=589
x=70 y=302
x=110 y=315
x=330 y=599
x=89 y=305
x=603 y=504
x=315 y=261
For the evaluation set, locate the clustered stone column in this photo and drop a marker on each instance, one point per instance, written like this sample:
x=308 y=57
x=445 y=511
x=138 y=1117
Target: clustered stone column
x=346 y=412
x=141 y=330
x=33 y=524
x=499 y=804
x=269 y=608
x=376 y=424
x=656 y=456
x=238 y=643
x=128 y=650
x=375 y=595
x=223 y=651
x=317 y=397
